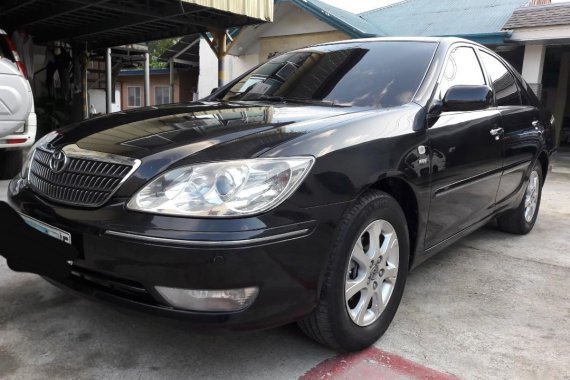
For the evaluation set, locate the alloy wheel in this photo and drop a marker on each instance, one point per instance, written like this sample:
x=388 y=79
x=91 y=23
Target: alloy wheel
x=531 y=196
x=372 y=272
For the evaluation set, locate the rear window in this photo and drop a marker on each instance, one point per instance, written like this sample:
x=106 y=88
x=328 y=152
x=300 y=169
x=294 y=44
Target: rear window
x=5 y=51
x=372 y=74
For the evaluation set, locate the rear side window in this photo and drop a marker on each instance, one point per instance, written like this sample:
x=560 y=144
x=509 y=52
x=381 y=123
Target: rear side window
x=462 y=69
x=504 y=83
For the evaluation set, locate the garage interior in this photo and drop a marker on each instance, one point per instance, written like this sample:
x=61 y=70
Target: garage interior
x=88 y=39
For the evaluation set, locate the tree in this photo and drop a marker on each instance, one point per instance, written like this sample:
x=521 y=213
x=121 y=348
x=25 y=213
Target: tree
x=157 y=48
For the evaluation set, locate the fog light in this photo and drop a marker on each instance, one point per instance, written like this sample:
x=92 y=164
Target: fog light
x=209 y=300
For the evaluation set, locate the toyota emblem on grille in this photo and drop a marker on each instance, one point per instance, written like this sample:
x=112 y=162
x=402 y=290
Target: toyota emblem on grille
x=58 y=162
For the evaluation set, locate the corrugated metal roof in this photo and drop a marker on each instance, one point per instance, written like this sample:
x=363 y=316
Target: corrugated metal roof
x=443 y=17
x=545 y=15
x=186 y=50
x=258 y=9
x=350 y=23
x=105 y=23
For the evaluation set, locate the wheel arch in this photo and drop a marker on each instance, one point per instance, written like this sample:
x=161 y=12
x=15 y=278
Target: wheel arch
x=406 y=197
x=544 y=163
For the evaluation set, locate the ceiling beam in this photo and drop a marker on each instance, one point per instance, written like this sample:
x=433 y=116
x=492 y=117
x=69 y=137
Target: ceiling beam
x=189 y=63
x=13 y=6
x=118 y=24
x=182 y=51
x=60 y=9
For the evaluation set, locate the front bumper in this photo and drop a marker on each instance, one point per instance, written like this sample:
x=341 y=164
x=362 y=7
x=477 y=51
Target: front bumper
x=122 y=255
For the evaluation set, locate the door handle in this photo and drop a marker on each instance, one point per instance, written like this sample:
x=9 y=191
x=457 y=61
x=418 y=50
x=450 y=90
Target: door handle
x=496 y=131
x=535 y=123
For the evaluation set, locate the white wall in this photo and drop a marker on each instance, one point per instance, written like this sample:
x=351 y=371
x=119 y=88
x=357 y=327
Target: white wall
x=97 y=98
x=208 y=78
x=239 y=65
x=288 y=20
x=235 y=66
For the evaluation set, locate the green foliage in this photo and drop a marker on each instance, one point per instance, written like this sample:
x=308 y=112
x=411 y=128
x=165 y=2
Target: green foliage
x=156 y=48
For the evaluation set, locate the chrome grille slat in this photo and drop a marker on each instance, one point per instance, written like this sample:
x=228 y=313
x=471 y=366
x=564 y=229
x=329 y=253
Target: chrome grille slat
x=88 y=180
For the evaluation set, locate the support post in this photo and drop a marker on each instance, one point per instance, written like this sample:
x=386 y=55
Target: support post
x=85 y=84
x=171 y=65
x=109 y=81
x=221 y=51
x=221 y=71
x=561 y=95
x=146 y=79
x=533 y=66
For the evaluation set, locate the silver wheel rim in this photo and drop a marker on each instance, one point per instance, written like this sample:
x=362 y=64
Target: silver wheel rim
x=531 y=196
x=372 y=272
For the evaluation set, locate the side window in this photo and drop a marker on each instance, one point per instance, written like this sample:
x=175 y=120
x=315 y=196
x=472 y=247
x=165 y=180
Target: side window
x=462 y=68
x=504 y=83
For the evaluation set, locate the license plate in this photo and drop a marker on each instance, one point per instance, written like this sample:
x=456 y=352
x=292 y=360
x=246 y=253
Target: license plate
x=47 y=229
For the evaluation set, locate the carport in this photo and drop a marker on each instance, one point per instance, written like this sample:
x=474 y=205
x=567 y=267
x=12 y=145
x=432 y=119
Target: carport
x=98 y=25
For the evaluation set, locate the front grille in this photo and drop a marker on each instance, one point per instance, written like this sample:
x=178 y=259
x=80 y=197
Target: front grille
x=85 y=181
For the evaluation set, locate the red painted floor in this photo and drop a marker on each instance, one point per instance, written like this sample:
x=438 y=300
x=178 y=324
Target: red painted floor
x=372 y=363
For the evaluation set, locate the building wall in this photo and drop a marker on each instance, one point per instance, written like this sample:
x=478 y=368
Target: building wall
x=270 y=46
x=97 y=98
x=208 y=78
x=160 y=80
x=291 y=29
x=188 y=85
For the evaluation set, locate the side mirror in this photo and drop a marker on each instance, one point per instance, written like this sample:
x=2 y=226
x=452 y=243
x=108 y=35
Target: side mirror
x=467 y=98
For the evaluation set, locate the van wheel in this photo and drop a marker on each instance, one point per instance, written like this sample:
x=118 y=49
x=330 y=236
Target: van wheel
x=10 y=163
x=521 y=220
x=365 y=275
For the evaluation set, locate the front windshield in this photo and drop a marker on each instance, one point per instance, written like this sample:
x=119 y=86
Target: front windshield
x=371 y=74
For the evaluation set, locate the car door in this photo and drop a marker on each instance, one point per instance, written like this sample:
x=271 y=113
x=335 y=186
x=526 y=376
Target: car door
x=521 y=123
x=465 y=157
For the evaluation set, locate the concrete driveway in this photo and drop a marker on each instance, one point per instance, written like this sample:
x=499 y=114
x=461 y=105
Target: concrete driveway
x=491 y=306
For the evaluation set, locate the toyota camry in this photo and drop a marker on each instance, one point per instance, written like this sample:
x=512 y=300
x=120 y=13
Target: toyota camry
x=303 y=191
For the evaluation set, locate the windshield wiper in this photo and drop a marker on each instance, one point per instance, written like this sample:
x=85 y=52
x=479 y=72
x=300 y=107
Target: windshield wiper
x=284 y=99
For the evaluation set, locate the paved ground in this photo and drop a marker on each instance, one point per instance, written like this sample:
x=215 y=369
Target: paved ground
x=490 y=306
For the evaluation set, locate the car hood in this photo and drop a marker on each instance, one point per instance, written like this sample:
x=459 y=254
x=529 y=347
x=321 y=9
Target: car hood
x=195 y=127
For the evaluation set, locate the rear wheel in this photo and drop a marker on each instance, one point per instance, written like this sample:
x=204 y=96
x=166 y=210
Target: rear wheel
x=521 y=220
x=365 y=276
x=10 y=163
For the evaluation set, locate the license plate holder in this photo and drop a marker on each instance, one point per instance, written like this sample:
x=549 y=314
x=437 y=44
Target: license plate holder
x=47 y=229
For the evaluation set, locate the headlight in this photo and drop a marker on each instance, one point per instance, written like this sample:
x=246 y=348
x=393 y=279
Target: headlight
x=43 y=141
x=221 y=189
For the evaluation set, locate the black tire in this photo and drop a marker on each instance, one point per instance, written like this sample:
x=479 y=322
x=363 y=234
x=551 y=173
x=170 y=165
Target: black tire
x=330 y=323
x=10 y=163
x=514 y=221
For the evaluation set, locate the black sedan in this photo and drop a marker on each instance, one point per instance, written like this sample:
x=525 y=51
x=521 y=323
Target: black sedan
x=305 y=190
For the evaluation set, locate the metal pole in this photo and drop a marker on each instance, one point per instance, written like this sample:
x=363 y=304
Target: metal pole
x=108 y=72
x=85 y=90
x=171 y=61
x=146 y=79
x=221 y=71
x=222 y=48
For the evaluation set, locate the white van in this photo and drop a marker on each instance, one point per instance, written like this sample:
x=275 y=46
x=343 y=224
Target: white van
x=18 y=123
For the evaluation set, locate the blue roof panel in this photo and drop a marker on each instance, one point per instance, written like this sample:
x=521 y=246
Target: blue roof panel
x=443 y=17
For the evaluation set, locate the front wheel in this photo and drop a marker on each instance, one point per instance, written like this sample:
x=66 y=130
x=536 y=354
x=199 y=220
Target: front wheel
x=521 y=220
x=365 y=276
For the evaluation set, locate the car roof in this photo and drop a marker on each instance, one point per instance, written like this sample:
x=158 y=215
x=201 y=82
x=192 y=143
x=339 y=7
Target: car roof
x=441 y=40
